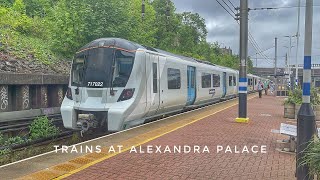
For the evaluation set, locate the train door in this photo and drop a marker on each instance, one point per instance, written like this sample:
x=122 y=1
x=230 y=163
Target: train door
x=153 y=84
x=191 y=84
x=224 y=84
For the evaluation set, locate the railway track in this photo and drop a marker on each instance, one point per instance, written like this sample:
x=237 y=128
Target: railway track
x=64 y=138
x=19 y=125
x=28 y=149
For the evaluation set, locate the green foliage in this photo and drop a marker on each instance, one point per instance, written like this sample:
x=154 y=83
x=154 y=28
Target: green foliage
x=48 y=30
x=312 y=156
x=41 y=127
x=141 y=30
x=1 y=139
x=14 y=140
x=314 y=97
x=8 y=142
x=4 y=152
x=295 y=97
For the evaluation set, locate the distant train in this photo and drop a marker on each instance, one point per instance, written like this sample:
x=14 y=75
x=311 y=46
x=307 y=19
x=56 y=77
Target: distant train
x=116 y=84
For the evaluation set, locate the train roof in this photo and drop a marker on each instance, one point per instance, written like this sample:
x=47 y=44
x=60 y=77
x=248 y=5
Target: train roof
x=121 y=43
x=129 y=45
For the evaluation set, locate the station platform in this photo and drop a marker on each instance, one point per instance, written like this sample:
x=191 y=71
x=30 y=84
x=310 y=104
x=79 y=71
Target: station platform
x=216 y=142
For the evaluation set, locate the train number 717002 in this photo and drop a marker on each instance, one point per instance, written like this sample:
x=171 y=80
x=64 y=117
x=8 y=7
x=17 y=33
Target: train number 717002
x=95 y=84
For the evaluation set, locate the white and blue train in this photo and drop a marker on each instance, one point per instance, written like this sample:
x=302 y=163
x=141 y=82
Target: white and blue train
x=116 y=84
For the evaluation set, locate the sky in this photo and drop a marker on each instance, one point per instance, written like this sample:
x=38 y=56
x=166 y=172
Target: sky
x=264 y=26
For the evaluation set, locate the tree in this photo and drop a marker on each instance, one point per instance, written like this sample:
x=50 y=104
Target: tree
x=6 y=3
x=142 y=30
x=66 y=26
x=39 y=8
x=167 y=24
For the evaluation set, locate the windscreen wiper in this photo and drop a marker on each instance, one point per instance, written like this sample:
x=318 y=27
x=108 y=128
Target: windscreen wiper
x=112 y=72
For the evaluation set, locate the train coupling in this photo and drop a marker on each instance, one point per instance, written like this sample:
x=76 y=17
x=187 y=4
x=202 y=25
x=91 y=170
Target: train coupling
x=86 y=121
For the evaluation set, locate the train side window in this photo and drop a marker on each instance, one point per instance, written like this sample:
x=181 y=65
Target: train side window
x=230 y=80
x=174 y=78
x=193 y=81
x=216 y=80
x=234 y=81
x=206 y=80
x=155 y=77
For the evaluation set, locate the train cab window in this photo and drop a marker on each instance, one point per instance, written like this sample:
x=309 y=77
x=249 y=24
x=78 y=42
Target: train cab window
x=216 y=80
x=155 y=77
x=123 y=68
x=77 y=71
x=206 y=80
x=234 y=81
x=174 y=78
x=230 y=81
x=255 y=81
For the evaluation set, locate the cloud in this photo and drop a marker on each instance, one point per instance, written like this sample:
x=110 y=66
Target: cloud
x=264 y=25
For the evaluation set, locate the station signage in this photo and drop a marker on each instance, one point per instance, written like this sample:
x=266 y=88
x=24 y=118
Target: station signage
x=291 y=130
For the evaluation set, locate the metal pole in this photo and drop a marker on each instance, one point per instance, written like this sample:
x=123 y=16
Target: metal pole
x=275 y=57
x=297 y=71
x=243 y=82
x=289 y=57
x=306 y=117
x=256 y=59
x=289 y=62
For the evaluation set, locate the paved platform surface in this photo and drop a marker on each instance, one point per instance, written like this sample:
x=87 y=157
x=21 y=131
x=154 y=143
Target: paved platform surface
x=218 y=129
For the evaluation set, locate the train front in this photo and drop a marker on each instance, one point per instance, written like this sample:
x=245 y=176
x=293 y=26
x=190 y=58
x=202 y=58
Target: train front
x=101 y=90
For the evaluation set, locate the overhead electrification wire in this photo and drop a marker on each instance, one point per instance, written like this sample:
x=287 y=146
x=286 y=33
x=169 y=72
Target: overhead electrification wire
x=267 y=49
x=250 y=37
x=275 y=8
x=232 y=4
x=228 y=7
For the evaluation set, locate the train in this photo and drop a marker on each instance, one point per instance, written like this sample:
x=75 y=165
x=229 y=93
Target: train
x=116 y=84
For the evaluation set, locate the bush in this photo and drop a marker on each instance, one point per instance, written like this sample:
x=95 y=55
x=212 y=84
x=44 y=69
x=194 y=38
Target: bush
x=295 y=97
x=314 y=97
x=14 y=140
x=312 y=157
x=41 y=127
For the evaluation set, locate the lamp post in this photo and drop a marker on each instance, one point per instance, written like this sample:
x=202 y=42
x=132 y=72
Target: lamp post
x=306 y=118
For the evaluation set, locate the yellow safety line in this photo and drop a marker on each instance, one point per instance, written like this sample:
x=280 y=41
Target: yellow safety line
x=138 y=144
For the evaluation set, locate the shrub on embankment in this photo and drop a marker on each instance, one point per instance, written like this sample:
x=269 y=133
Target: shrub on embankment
x=40 y=128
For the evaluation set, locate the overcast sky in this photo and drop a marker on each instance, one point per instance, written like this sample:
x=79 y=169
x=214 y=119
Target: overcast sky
x=264 y=25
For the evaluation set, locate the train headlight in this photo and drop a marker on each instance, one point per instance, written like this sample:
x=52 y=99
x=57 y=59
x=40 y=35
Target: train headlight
x=126 y=94
x=69 y=94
